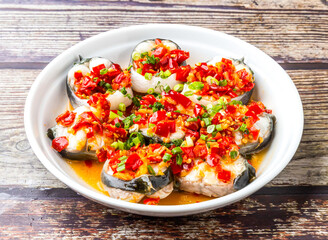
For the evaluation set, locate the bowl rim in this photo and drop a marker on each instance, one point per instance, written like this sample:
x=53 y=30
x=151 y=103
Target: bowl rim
x=166 y=210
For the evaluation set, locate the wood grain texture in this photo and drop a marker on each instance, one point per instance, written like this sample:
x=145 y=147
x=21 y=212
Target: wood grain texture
x=38 y=206
x=43 y=215
x=290 y=32
x=308 y=167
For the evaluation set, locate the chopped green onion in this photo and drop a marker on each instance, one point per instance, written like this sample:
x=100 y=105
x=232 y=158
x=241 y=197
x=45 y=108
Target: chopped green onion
x=120 y=145
x=139 y=70
x=167 y=157
x=177 y=142
x=167 y=88
x=178 y=87
x=113 y=115
x=176 y=150
x=103 y=71
x=151 y=125
x=142 y=55
x=148 y=76
x=235 y=89
x=129 y=67
x=207 y=121
x=188 y=93
x=243 y=127
x=123 y=158
x=121 y=168
x=210 y=128
x=123 y=91
x=191 y=119
x=212 y=80
x=151 y=170
x=117 y=125
x=223 y=83
x=150 y=91
x=219 y=127
x=214 y=133
x=136 y=101
x=101 y=83
x=119 y=113
x=122 y=107
x=233 y=154
x=167 y=73
x=179 y=159
x=199 y=98
x=107 y=85
x=136 y=140
x=114 y=145
x=196 y=86
x=122 y=163
x=235 y=102
x=205 y=115
x=203 y=137
x=136 y=56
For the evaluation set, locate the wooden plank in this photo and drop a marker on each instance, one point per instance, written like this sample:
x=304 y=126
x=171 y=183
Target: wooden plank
x=261 y=216
x=308 y=167
x=289 y=32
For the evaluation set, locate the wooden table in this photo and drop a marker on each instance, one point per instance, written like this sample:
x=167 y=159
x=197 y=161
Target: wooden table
x=34 y=204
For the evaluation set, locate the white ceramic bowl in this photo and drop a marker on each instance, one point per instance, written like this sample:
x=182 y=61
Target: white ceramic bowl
x=47 y=98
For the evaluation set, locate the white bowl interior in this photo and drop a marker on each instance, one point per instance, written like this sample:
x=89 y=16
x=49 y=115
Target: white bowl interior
x=274 y=88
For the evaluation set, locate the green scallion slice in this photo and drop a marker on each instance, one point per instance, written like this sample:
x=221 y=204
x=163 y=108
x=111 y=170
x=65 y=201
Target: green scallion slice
x=178 y=87
x=167 y=157
x=122 y=107
x=233 y=154
x=191 y=119
x=176 y=150
x=151 y=170
x=210 y=128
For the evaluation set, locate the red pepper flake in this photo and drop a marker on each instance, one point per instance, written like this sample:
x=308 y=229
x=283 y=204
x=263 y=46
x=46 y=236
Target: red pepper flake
x=165 y=128
x=179 y=98
x=60 y=143
x=157 y=116
x=224 y=175
x=151 y=201
x=200 y=151
x=133 y=162
x=188 y=151
x=66 y=119
x=212 y=159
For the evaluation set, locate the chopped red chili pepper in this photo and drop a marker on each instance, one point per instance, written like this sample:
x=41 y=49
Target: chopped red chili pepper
x=165 y=128
x=133 y=162
x=157 y=116
x=60 y=143
x=188 y=151
x=224 y=175
x=151 y=201
x=212 y=159
x=66 y=119
x=179 y=98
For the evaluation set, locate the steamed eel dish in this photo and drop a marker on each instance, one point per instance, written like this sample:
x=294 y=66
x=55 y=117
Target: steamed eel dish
x=157 y=63
x=220 y=77
x=98 y=75
x=188 y=129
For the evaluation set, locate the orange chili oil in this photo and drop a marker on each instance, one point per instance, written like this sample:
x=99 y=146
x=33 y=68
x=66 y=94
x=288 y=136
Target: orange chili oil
x=89 y=172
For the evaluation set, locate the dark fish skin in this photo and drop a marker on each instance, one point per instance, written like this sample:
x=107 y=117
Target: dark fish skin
x=245 y=177
x=146 y=184
x=80 y=156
